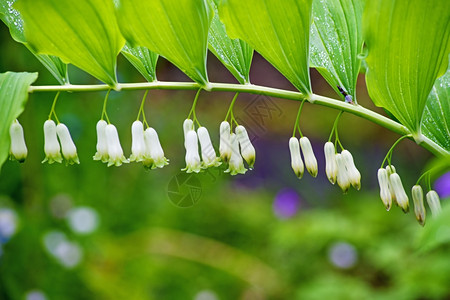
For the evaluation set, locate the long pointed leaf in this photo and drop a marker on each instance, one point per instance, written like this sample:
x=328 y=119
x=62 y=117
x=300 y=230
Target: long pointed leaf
x=277 y=30
x=13 y=97
x=11 y=17
x=82 y=32
x=436 y=118
x=177 y=30
x=142 y=59
x=336 y=41
x=235 y=54
x=408 y=44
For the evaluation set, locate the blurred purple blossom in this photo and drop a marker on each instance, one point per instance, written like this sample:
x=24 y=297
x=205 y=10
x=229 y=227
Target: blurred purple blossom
x=442 y=185
x=286 y=203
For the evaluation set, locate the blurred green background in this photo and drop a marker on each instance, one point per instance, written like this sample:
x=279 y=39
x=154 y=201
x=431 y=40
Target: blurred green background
x=93 y=232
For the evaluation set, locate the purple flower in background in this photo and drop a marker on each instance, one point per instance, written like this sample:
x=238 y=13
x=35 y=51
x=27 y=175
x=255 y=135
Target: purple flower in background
x=286 y=203
x=442 y=185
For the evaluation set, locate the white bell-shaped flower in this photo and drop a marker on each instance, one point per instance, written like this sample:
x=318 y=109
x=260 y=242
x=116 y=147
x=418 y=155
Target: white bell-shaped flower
x=352 y=172
x=330 y=161
x=225 y=141
x=115 y=152
x=419 y=208
x=385 y=193
x=308 y=155
x=52 y=148
x=247 y=149
x=188 y=125
x=193 y=163
x=102 y=145
x=154 y=149
x=391 y=170
x=68 y=148
x=236 y=163
x=400 y=194
x=208 y=153
x=138 y=147
x=342 y=175
x=296 y=159
x=18 y=149
x=434 y=203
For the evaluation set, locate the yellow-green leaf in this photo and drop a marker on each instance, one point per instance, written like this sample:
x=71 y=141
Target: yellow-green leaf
x=142 y=59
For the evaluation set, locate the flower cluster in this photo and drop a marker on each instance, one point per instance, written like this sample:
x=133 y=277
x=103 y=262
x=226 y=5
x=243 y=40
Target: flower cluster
x=308 y=155
x=392 y=191
x=53 y=147
x=108 y=147
x=18 y=150
x=240 y=147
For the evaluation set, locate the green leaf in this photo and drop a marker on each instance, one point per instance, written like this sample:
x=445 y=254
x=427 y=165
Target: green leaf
x=436 y=117
x=82 y=32
x=13 y=97
x=177 y=30
x=235 y=54
x=436 y=232
x=142 y=59
x=408 y=43
x=11 y=17
x=278 y=31
x=336 y=42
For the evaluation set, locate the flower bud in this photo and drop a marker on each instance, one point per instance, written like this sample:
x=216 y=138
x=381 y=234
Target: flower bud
x=296 y=159
x=352 y=172
x=115 y=152
x=400 y=194
x=308 y=155
x=18 y=150
x=69 y=150
x=236 y=164
x=51 y=145
x=225 y=141
x=247 y=149
x=391 y=170
x=102 y=145
x=208 y=153
x=154 y=154
x=419 y=208
x=342 y=177
x=434 y=203
x=192 y=157
x=188 y=125
x=138 y=147
x=330 y=161
x=385 y=193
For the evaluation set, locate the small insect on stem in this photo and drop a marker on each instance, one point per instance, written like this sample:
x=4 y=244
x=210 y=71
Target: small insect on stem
x=348 y=98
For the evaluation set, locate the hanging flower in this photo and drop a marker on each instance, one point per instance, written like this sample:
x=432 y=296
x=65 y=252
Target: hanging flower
x=247 y=149
x=153 y=149
x=115 y=152
x=308 y=155
x=400 y=194
x=192 y=157
x=330 y=162
x=419 y=208
x=352 y=172
x=18 y=150
x=188 y=125
x=208 y=153
x=69 y=150
x=391 y=170
x=385 y=193
x=138 y=147
x=342 y=176
x=434 y=203
x=225 y=141
x=102 y=145
x=236 y=163
x=51 y=145
x=296 y=159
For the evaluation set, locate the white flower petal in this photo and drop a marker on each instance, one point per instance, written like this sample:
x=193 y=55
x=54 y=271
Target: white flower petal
x=400 y=194
x=236 y=163
x=419 y=208
x=52 y=148
x=69 y=150
x=208 y=153
x=296 y=159
x=352 y=172
x=192 y=157
x=138 y=147
x=115 y=152
x=342 y=177
x=102 y=145
x=330 y=161
x=18 y=149
x=434 y=203
x=385 y=193
x=225 y=141
x=154 y=149
x=247 y=149
x=308 y=155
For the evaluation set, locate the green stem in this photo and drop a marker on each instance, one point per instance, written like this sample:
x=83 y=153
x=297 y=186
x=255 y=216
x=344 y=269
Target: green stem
x=104 y=114
x=142 y=111
x=389 y=154
x=52 y=110
x=230 y=109
x=335 y=125
x=297 y=120
x=192 y=111
x=260 y=90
